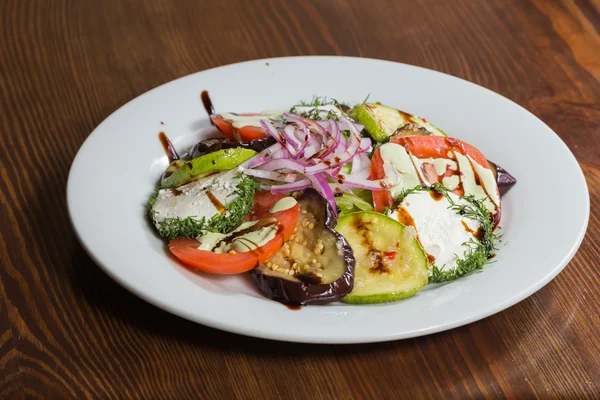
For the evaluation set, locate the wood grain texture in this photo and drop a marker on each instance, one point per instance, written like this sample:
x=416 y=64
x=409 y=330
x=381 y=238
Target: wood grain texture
x=69 y=331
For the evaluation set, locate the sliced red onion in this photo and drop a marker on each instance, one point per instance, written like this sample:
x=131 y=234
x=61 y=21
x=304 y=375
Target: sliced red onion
x=281 y=163
x=339 y=187
x=264 y=155
x=290 y=137
x=362 y=183
x=289 y=187
x=319 y=150
x=343 y=125
x=365 y=144
x=360 y=163
x=338 y=161
x=361 y=167
x=270 y=129
x=336 y=136
x=271 y=175
x=256 y=161
x=309 y=151
x=322 y=186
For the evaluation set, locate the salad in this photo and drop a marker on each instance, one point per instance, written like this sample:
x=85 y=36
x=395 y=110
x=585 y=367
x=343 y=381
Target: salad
x=330 y=202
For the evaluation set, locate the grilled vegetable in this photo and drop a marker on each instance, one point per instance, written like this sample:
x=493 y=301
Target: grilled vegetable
x=183 y=171
x=271 y=224
x=217 y=203
x=390 y=263
x=243 y=127
x=504 y=179
x=381 y=121
x=428 y=160
x=214 y=144
x=315 y=266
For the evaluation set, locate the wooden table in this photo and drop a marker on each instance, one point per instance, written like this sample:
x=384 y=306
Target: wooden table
x=69 y=331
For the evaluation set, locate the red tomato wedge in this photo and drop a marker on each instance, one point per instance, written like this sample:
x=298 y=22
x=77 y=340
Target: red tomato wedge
x=438 y=147
x=381 y=198
x=243 y=134
x=424 y=147
x=187 y=250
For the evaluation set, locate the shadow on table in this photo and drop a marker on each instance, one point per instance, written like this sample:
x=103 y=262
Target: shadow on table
x=102 y=292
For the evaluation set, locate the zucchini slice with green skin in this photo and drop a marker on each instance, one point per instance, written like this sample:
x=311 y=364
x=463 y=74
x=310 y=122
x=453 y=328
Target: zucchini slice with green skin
x=183 y=171
x=390 y=263
x=382 y=122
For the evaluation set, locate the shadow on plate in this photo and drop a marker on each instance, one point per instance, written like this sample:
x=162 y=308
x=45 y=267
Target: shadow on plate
x=102 y=292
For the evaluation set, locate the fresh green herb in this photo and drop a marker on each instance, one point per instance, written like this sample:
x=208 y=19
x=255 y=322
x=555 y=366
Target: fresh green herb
x=406 y=192
x=402 y=195
x=366 y=99
x=191 y=227
x=316 y=113
x=150 y=205
x=479 y=251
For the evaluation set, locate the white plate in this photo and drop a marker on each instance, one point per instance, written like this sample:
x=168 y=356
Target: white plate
x=544 y=216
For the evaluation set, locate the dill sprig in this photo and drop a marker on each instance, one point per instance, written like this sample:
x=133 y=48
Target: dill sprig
x=191 y=227
x=479 y=251
x=315 y=113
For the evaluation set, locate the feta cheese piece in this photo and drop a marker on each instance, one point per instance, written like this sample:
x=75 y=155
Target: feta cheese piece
x=201 y=198
x=440 y=230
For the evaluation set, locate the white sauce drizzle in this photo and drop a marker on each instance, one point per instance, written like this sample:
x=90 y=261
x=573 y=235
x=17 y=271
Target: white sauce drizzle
x=469 y=184
x=242 y=244
x=283 y=204
x=451 y=182
x=396 y=156
x=486 y=177
x=240 y=121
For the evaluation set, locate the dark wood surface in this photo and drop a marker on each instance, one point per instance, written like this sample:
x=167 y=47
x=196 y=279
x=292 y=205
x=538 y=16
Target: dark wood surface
x=69 y=331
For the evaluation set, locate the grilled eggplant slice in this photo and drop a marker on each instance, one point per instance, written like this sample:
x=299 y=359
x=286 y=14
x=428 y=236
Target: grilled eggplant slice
x=316 y=265
x=503 y=178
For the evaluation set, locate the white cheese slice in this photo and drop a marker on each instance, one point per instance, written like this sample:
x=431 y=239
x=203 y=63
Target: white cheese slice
x=440 y=230
x=198 y=199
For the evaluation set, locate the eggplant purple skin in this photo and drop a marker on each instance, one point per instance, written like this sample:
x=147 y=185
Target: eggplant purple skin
x=211 y=145
x=505 y=180
x=306 y=292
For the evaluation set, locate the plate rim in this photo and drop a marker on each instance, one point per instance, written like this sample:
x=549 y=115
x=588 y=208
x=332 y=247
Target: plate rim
x=303 y=338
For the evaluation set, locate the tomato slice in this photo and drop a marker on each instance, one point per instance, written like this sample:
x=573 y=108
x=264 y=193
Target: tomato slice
x=439 y=146
x=187 y=250
x=423 y=147
x=243 y=134
x=381 y=198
